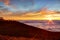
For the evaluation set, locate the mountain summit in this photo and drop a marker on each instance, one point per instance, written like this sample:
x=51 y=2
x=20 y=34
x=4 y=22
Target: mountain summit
x=17 y=29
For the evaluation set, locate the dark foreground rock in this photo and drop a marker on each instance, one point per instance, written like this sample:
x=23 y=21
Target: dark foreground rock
x=17 y=29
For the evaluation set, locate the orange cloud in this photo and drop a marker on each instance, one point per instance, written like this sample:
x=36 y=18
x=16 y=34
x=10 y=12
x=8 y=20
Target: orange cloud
x=6 y=2
x=0 y=0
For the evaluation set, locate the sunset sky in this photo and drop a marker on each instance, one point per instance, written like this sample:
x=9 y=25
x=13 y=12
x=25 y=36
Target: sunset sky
x=14 y=7
x=30 y=5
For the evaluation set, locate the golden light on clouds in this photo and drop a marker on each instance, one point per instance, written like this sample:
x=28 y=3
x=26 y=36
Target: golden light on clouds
x=46 y=17
x=40 y=15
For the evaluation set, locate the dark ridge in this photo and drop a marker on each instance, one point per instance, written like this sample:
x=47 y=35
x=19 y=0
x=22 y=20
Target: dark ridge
x=17 y=29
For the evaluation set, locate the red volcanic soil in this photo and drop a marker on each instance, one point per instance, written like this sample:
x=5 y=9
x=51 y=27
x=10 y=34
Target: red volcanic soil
x=17 y=29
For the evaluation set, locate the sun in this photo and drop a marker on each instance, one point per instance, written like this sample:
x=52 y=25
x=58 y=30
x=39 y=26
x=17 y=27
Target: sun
x=49 y=18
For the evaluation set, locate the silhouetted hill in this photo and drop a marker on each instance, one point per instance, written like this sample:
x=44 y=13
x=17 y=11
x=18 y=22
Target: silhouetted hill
x=17 y=29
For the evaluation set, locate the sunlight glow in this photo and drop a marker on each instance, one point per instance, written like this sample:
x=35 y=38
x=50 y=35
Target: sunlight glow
x=49 y=17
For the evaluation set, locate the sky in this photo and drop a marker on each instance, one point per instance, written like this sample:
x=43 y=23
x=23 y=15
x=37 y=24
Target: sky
x=30 y=5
